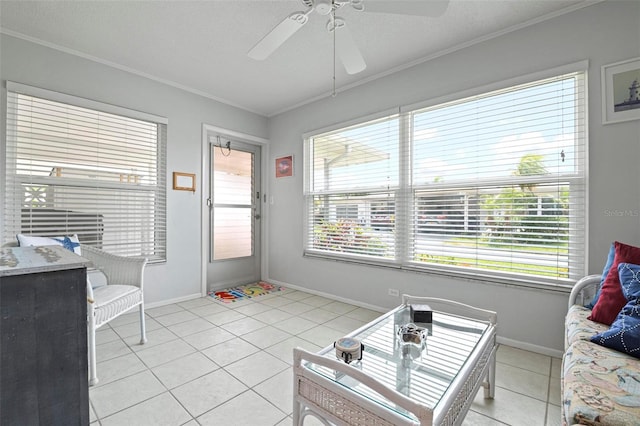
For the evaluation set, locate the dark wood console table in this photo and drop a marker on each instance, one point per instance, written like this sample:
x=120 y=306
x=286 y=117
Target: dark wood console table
x=43 y=337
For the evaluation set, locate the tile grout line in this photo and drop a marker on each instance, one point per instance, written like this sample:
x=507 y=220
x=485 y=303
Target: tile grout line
x=221 y=367
x=270 y=307
x=546 y=407
x=167 y=390
x=150 y=369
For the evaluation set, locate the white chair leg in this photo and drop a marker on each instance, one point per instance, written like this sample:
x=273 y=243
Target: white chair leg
x=297 y=421
x=143 y=331
x=93 y=377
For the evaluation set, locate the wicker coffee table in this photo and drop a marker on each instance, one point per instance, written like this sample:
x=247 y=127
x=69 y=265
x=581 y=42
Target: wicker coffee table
x=395 y=384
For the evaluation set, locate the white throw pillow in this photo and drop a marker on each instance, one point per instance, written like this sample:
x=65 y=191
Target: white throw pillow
x=69 y=242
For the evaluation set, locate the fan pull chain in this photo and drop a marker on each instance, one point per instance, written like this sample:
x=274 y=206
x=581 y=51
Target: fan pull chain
x=333 y=17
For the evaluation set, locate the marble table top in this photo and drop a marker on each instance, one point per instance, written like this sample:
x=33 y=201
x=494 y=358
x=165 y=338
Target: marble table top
x=30 y=260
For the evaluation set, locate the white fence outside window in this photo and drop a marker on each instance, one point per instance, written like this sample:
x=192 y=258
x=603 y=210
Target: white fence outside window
x=492 y=185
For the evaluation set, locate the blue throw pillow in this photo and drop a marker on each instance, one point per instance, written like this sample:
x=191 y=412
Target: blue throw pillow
x=605 y=271
x=70 y=243
x=624 y=334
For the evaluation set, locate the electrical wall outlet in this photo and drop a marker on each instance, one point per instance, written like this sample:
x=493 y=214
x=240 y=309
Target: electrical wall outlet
x=394 y=292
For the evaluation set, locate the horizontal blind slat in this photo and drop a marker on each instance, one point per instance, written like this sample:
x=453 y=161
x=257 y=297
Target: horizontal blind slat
x=72 y=169
x=496 y=181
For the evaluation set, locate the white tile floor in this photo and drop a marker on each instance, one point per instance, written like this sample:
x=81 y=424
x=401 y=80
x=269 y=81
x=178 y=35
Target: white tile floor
x=209 y=363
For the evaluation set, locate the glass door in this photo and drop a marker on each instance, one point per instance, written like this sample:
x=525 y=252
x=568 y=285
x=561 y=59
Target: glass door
x=234 y=207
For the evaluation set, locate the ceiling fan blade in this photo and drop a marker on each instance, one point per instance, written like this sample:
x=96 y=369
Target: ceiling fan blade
x=347 y=49
x=281 y=33
x=407 y=7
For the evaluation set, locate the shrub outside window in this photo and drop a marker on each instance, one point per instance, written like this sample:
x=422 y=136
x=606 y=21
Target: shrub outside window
x=491 y=186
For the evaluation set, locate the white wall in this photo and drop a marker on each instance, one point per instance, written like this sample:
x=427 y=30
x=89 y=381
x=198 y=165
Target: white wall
x=603 y=33
x=39 y=66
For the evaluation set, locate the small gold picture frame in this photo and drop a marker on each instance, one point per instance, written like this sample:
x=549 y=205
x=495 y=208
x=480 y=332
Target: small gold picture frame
x=184 y=181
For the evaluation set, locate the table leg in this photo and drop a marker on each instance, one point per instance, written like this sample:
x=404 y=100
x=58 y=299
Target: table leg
x=490 y=385
x=308 y=412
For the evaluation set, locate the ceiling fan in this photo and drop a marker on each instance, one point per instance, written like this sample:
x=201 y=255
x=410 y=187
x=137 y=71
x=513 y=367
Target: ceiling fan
x=346 y=49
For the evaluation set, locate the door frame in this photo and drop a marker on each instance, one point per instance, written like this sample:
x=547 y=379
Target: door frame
x=204 y=192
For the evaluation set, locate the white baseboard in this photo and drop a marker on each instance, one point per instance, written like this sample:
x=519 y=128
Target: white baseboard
x=329 y=296
x=223 y=285
x=170 y=301
x=530 y=347
x=501 y=340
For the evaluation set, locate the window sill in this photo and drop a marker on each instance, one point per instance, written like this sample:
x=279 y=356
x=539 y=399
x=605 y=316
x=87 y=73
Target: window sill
x=531 y=283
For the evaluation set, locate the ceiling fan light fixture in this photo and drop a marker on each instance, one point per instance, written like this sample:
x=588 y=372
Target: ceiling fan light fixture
x=344 y=45
x=335 y=23
x=357 y=5
x=323 y=7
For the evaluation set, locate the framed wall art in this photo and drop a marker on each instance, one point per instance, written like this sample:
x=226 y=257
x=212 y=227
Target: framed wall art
x=184 y=181
x=284 y=166
x=621 y=91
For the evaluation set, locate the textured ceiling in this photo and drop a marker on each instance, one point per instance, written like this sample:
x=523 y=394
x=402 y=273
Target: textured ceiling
x=202 y=46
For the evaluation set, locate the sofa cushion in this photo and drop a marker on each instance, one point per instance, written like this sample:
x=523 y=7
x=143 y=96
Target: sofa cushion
x=624 y=334
x=611 y=300
x=605 y=272
x=107 y=294
x=600 y=386
x=578 y=327
x=112 y=300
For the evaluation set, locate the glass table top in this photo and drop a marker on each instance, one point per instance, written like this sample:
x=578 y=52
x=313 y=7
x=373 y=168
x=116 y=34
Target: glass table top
x=421 y=372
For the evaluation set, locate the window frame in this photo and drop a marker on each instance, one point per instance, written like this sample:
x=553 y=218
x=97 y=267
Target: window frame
x=155 y=191
x=405 y=192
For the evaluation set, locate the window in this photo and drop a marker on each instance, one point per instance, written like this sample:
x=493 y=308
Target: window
x=489 y=186
x=75 y=166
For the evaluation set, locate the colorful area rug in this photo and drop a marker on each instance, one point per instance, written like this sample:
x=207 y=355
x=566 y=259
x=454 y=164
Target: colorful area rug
x=242 y=292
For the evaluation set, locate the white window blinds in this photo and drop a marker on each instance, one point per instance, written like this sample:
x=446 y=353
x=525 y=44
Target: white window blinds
x=493 y=185
x=499 y=181
x=353 y=183
x=75 y=166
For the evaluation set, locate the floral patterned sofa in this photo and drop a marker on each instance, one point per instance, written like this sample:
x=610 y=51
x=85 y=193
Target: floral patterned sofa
x=600 y=386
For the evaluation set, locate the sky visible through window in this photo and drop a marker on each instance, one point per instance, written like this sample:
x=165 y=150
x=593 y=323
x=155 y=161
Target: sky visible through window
x=83 y=143
x=473 y=139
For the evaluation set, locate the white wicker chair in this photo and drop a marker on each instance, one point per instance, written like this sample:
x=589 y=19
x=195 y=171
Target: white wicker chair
x=123 y=292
